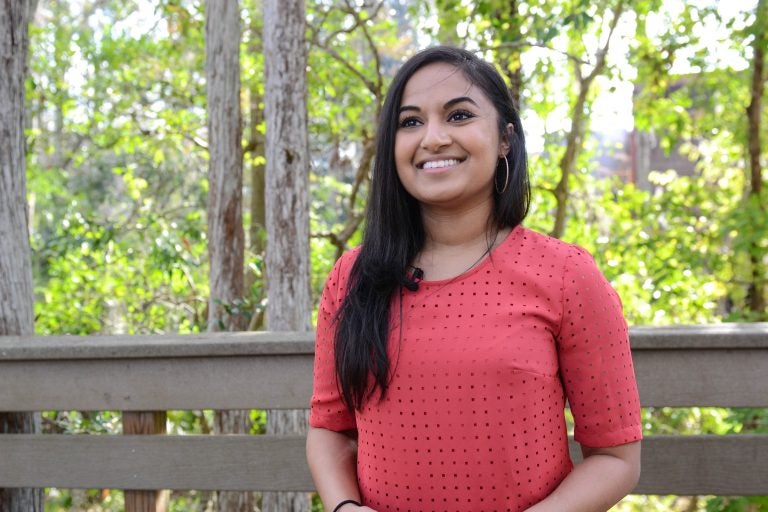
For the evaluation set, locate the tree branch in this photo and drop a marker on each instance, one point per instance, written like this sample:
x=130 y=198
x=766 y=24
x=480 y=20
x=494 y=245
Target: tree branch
x=373 y=87
x=529 y=44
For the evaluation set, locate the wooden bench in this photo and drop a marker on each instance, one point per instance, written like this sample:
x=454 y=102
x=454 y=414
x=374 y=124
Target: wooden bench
x=722 y=365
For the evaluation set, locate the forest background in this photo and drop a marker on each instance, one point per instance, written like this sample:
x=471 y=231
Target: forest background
x=118 y=157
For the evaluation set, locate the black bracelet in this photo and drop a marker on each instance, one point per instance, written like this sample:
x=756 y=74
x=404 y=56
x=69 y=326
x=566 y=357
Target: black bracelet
x=347 y=502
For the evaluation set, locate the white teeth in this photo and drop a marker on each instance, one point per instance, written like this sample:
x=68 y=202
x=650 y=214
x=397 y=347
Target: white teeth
x=440 y=163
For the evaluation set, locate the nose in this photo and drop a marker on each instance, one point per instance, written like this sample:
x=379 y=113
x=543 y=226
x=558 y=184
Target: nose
x=435 y=137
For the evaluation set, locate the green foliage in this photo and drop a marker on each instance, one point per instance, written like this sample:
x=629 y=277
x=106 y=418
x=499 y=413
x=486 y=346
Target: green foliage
x=77 y=422
x=118 y=233
x=353 y=53
x=102 y=278
x=92 y=500
x=656 y=248
x=726 y=504
x=116 y=181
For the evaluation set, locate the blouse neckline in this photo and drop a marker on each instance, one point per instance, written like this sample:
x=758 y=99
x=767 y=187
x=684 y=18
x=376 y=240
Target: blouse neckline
x=484 y=262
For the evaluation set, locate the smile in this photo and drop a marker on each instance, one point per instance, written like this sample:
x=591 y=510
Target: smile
x=439 y=164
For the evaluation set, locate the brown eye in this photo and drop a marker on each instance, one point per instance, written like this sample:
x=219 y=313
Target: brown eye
x=460 y=115
x=408 y=122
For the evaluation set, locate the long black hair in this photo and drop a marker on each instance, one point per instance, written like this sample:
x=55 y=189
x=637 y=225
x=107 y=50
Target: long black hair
x=394 y=233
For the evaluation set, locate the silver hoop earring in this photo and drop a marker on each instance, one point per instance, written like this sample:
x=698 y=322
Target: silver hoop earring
x=506 y=178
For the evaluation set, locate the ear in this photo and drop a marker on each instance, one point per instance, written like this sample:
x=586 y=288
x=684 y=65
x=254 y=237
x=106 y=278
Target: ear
x=506 y=143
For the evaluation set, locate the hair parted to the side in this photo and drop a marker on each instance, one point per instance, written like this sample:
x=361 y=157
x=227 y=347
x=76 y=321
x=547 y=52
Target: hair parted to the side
x=394 y=233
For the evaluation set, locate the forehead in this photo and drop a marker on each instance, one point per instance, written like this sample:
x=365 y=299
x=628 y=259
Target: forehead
x=438 y=83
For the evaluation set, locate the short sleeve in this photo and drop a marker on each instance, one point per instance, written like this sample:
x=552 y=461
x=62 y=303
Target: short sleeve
x=595 y=358
x=327 y=408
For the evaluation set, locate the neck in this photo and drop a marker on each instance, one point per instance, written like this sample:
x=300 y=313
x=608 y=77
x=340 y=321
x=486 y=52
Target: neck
x=456 y=241
x=456 y=229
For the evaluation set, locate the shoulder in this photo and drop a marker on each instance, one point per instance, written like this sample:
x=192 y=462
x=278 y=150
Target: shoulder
x=336 y=283
x=551 y=264
x=538 y=246
x=347 y=260
x=339 y=276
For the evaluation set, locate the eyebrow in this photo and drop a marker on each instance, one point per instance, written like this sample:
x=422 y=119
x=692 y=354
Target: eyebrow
x=448 y=104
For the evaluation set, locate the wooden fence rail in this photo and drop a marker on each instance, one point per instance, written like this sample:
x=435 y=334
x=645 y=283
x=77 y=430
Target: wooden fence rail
x=717 y=365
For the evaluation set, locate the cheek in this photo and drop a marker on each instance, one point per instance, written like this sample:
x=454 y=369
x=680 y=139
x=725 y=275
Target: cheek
x=401 y=147
x=403 y=176
x=403 y=155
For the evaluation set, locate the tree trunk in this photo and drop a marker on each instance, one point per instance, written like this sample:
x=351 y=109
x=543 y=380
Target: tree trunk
x=341 y=238
x=257 y=234
x=16 y=295
x=756 y=292
x=567 y=166
x=225 y=218
x=574 y=141
x=258 y=210
x=287 y=198
x=226 y=239
x=287 y=176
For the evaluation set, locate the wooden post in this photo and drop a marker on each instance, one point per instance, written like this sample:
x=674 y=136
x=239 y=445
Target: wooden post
x=145 y=423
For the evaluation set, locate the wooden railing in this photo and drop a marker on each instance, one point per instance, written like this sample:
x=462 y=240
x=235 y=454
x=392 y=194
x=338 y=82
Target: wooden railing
x=722 y=365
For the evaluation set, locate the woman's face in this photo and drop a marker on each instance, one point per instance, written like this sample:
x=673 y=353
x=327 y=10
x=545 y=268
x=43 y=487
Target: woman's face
x=447 y=143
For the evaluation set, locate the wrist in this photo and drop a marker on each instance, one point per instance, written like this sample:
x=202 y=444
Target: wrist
x=347 y=505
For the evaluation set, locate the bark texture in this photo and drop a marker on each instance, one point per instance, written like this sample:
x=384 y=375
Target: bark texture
x=225 y=218
x=287 y=176
x=287 y=199
x=16 y=295
x=227 y=310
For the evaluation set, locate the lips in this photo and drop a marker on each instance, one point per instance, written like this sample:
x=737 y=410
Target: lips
x=439 y=164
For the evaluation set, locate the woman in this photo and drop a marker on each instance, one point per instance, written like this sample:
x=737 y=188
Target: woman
x=448 y=342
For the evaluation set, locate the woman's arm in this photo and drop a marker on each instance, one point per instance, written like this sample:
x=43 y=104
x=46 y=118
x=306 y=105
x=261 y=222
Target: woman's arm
x=604 y=477
x=332 y=460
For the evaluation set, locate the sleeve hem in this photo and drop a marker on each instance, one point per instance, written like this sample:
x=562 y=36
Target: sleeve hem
x=624 y=435
x=336 y=426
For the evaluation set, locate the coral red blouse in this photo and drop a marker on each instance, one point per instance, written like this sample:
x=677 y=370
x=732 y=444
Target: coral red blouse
x=474 y=416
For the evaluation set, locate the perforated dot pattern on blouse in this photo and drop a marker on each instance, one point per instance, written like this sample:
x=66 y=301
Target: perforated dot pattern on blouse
x=474 y=416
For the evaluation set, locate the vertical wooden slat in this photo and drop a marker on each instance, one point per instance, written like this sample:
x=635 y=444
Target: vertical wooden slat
x=145 y=423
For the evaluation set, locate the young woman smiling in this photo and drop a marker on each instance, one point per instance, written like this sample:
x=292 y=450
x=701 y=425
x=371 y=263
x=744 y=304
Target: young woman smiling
x=448 y=342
